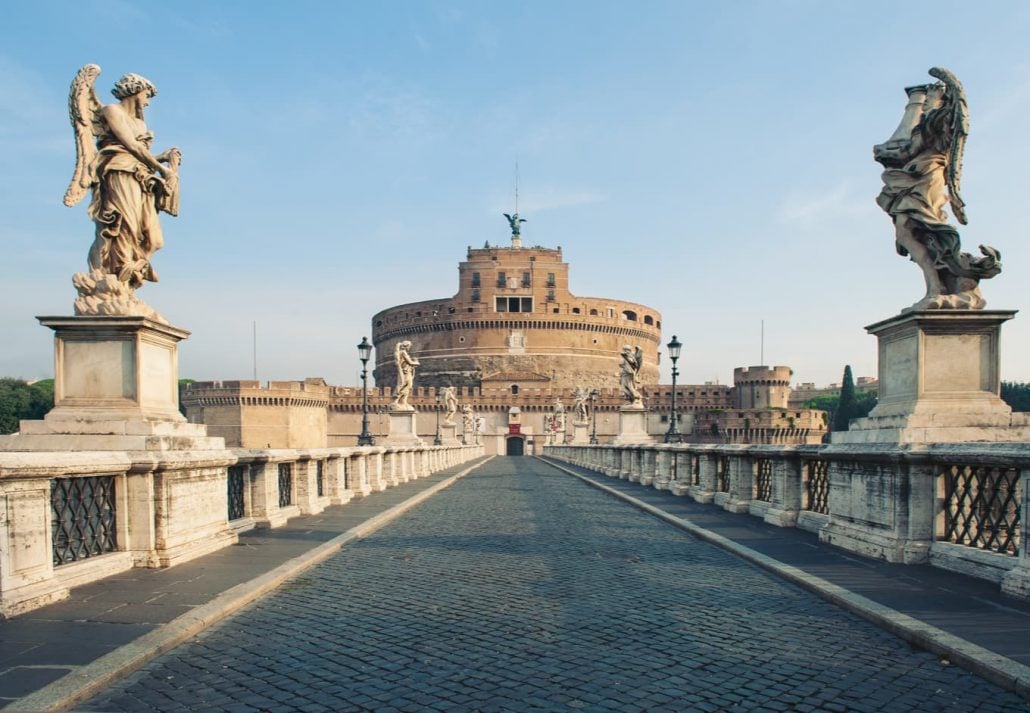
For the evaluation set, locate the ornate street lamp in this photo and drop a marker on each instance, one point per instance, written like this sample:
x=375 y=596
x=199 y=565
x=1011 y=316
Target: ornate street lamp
x=438 y=439
x=364 y=354
x=673 y=435
x=593 y=416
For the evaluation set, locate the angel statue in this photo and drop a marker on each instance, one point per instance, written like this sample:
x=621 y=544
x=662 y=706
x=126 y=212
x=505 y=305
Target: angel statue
x=629 y=378
x=129 y=186
x=922 y=163
x=405 y=376
x=516 y=223
x=450 y=400
x=580 y=399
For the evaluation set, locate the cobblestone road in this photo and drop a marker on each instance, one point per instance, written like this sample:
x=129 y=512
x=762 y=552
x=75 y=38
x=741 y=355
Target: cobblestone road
x=520 y=588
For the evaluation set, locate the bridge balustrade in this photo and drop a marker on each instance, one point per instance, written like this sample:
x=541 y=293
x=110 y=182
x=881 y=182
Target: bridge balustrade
x=956 y=506
x=70 y=518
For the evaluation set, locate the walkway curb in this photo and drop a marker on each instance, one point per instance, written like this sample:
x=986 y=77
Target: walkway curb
x=1000 y=670
x=89 y=679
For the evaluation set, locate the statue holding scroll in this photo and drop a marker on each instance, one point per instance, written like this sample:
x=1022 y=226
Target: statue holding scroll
x=922 y=173
x=129 y=186
x=450 y=401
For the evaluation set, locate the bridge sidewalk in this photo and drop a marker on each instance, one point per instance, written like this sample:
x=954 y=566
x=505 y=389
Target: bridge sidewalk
x=53 y=656
x=964 y=619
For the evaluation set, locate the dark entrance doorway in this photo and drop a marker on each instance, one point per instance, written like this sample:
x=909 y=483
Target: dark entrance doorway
x=516 y=446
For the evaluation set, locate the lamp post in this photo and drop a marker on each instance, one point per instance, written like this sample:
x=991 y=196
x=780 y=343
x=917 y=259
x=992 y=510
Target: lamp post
x=438 y=439
x=593 y=416
x=673 y=435
x=364 y=353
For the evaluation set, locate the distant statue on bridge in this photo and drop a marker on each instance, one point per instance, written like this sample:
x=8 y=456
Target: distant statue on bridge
x=405 y=376
x=129 y=186
x=559 y=415
x=629 y=376
x=922 y=171
x=450 y=400
x=580 y=399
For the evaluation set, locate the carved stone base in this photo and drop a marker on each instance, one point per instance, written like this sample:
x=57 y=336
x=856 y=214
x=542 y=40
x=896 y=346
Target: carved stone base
x=875 y=543
x=632 y=426
x=116 y=387
x=580 y=433
x=449 y=434
x=939 y=382
x=403 y=429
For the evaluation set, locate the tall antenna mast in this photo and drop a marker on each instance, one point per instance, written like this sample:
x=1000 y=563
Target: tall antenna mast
x=516 y=187
x=762 y=355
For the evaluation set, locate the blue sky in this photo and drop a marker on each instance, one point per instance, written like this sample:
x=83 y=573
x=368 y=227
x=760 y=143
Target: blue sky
x=710 y=159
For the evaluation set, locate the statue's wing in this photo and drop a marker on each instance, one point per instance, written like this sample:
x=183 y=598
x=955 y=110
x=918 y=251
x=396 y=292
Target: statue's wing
x=959 y=131
x=507 y=216
x=83 y=110
x=639 y=357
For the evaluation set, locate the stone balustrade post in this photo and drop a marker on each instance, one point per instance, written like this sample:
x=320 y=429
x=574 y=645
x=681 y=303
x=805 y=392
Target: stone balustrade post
x=336 y=480
x=740 y=480
x=787 y=480
x=704 y=492
x=648 y=458
x=664 y=458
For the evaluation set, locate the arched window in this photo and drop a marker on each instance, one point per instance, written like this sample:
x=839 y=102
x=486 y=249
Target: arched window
x=648 y=319
x=630 y=315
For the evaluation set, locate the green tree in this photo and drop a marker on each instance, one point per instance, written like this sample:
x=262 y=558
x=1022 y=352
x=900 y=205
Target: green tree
x=846 y=406
x=1016 y=394
x=20 y=400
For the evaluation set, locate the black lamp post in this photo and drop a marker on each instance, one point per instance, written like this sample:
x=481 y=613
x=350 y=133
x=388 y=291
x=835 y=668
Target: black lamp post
x=593 y=416
x=365 y=353
x=438 y=439
x=673 y=435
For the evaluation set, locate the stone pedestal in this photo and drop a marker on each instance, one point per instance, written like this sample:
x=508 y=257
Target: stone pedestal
x=449 y=434
x=939 y=381
x=116 y=387
x=403 y=429
x=632 y=425
x=580 y=433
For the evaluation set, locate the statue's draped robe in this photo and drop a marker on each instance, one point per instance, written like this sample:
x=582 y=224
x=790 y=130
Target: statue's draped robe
x=124 y=208
x=918 y=191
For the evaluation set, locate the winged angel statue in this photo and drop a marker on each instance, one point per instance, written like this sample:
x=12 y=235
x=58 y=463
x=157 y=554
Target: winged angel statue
x=129 y=186
x=922 y=173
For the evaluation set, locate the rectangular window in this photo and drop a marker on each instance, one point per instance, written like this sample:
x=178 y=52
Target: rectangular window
x=550 y=295
x=475 y=279
x=550 y=279
x=475 y=295
x=514 y=304
x=502 y=279
x=525 y=280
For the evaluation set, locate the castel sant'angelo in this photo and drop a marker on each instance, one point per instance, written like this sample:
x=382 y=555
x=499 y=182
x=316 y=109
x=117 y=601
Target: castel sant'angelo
x=517 y=344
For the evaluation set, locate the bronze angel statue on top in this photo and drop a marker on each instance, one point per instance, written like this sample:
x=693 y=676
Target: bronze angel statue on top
x=922 y=173
x=129 y=185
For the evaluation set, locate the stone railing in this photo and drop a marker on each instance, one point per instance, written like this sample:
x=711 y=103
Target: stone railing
x=960 y=507
x=69 y=518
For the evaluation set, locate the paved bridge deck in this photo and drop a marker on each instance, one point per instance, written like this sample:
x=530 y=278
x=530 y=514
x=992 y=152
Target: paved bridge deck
x=522 y=588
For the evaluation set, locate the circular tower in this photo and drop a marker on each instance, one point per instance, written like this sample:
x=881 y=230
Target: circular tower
x=762 y=387
x=513 y=315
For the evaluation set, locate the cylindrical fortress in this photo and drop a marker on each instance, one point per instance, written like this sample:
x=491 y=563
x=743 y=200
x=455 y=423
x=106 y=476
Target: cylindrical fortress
x=513 y=314
x=761 y=387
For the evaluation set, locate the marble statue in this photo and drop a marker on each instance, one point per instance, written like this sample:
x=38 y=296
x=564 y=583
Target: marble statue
x=922 y=163
x=516 y=223
x=450 y=400
x=467 y=419
x=580 y=400
x=129 y=186
x=405 y=376
x=559 y=415
x=629 y=377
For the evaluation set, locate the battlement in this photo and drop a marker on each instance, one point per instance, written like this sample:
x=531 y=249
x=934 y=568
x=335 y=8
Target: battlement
x=763 y=374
